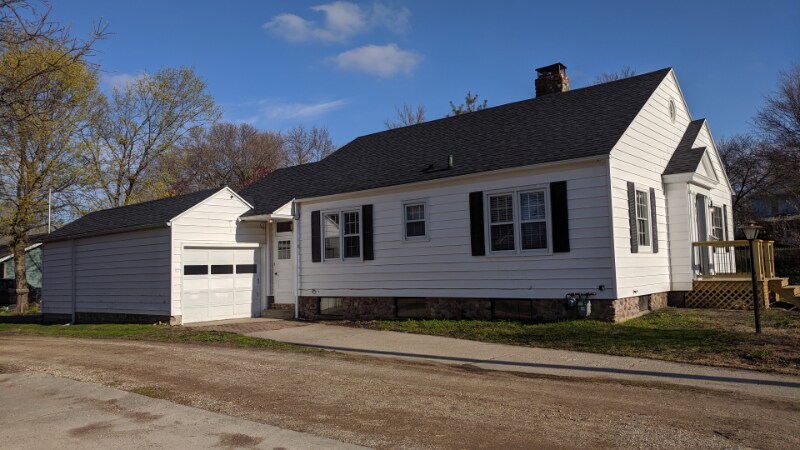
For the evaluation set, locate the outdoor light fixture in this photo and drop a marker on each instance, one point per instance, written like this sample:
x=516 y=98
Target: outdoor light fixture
x=751 y=233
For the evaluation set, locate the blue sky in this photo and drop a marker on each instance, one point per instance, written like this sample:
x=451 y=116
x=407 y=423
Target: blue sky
x=347 y=65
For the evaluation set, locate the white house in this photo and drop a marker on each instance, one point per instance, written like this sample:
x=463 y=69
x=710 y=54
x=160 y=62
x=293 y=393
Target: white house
x=499 y=213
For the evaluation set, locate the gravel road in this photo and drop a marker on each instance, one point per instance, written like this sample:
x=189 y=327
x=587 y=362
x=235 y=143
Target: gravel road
x=388 y=403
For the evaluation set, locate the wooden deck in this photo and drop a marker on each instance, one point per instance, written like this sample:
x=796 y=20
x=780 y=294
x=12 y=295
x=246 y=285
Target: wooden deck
x=724 y=280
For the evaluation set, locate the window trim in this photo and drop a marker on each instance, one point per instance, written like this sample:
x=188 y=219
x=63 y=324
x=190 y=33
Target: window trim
x=648 y=215
x=425 y=219
x=515 y=198
x=341 y=212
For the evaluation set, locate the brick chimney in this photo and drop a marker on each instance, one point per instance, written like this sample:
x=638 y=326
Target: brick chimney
x=551 y=79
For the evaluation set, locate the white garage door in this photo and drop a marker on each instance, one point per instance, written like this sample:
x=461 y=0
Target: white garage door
x=219 y=283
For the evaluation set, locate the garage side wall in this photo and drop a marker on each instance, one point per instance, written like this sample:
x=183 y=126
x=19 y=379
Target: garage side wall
x=212 y=223
x=116 y=274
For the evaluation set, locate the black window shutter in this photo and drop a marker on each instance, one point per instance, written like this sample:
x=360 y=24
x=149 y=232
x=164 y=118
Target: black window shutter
x=725 y=222
x=560 y=219
x=316 y=237
x=632 y=217
x=366 y=223
x=654 y=221
x=476 y=223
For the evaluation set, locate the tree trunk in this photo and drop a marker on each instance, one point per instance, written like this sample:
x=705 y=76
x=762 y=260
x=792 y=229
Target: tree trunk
x=20 y=274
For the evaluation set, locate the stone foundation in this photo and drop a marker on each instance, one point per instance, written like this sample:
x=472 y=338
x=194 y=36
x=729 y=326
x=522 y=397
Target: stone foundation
x=94 y=317
x=534 y=310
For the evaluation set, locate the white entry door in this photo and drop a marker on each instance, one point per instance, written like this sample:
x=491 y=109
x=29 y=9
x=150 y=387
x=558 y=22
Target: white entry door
x=219 y=283
x=283 y=269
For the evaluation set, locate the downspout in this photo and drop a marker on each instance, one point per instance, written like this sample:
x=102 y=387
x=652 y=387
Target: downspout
x=74 y=278
x=296 y=215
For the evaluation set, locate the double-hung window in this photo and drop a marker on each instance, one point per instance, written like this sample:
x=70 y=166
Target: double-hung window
x=518 y=221
x=342 y=234
x=415 y=220
x=716 y=223
x=643 y=218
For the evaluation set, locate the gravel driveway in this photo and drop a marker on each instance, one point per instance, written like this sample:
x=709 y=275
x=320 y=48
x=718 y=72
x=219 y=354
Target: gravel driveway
x=389 y=403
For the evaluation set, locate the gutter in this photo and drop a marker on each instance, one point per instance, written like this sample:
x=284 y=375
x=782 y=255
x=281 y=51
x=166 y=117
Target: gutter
x=296 y=215
x=74 y=278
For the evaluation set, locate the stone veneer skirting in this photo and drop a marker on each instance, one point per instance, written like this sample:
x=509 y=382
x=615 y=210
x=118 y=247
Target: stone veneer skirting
x=95 y=317
x=541 y=310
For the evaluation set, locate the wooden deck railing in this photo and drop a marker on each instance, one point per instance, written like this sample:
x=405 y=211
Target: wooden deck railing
x=731 y=259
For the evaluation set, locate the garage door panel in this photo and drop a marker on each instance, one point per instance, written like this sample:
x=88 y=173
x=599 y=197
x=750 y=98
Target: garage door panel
x=221 y=295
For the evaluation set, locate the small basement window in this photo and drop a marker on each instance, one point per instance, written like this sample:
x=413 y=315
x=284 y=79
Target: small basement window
x=512 y=309
x=331 y=306
x=409 y=308
x=246 y=268
x=221 y=269
x=195 y=269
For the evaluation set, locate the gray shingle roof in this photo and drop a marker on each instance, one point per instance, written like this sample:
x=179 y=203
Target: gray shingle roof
x=575 y=124
x=685 y=159
x=140 y=216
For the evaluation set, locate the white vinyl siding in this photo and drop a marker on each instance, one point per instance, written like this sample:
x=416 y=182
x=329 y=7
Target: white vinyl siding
x=640 y=156
x=125 y=273
x=444 y=266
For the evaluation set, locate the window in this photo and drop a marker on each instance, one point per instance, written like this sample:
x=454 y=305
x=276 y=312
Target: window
x=643 y=218
x=414 y=217
x=520 y=230
x=411 y=307
x=717 y=228
x=195 y=269
x=342 y=235
x=501 y=228
x=673 y=111
x=246 y=268
x=221 y=269
x=284 y=249
x=533 y=220
x=332 y=237
x=283 y=227
x=352 y=234
x=512 y=309
x=331 y=306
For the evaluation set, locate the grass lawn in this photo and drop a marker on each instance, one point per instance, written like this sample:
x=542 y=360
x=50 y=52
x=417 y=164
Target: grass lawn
x=712 y=337
x=160 y=333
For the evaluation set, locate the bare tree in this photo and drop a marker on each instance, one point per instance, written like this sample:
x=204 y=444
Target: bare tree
x=39 y=144
x=138 y=125
x=406 y=116
x=779 y=118
x=470 y=104
x=224 y=154
x=625 y=72
x=749 y=170
x=302 y=145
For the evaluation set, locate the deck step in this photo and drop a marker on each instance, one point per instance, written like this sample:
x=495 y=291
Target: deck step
x=790 y=291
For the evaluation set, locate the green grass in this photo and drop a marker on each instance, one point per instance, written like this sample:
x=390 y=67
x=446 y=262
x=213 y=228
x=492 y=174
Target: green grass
x=160 y=333
x=32 y=309
x=654 y=333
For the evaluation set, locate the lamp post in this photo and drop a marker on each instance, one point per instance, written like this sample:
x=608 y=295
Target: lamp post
x=751 y=233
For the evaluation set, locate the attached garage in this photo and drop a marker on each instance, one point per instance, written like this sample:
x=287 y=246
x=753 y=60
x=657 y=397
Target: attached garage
x=181 y=259
x=220 y=283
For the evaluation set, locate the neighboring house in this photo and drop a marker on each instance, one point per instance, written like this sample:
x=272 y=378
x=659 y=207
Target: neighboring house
x=33 y=271
x=499 y=213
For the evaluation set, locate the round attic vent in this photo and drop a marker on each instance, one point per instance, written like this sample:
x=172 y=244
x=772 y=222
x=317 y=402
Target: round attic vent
x=672 y=110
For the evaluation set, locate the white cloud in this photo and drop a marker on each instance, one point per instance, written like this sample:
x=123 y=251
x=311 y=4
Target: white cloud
x=381 y=60
x=342 y=20
x=119 y=80
x=300 y=110
x=266 y=111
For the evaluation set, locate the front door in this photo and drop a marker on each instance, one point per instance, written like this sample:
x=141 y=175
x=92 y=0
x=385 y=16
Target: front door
x=703 y=256
x=283 y=269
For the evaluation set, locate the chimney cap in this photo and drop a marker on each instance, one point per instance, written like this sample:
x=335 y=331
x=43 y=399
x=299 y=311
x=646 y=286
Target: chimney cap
x=551 y=68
